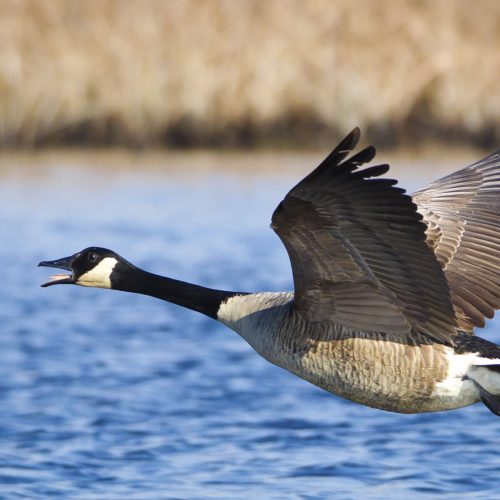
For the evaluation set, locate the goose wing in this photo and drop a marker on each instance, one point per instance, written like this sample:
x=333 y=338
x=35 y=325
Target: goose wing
x=462 y=213
x=357 y=249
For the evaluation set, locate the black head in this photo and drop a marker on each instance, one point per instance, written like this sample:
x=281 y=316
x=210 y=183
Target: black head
x=92 y=266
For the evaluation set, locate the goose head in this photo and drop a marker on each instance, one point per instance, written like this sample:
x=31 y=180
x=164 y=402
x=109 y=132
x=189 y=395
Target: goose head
x=93 y=267
x=102 y=268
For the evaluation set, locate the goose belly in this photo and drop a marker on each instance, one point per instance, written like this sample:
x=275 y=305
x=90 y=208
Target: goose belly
x=362 y=367
x=385 y=375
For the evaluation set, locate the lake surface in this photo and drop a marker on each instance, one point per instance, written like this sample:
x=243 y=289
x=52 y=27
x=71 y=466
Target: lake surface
x=106 y=395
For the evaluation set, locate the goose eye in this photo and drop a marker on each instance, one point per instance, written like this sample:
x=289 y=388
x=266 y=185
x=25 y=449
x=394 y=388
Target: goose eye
x=92 y=257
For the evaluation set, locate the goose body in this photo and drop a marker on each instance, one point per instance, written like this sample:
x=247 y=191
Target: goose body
x=388 y=288
x=360 y=366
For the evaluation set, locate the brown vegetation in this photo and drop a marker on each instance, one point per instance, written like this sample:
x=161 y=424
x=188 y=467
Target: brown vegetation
x=239 y=72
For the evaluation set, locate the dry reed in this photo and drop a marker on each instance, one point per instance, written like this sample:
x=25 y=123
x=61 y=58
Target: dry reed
x=239 y=72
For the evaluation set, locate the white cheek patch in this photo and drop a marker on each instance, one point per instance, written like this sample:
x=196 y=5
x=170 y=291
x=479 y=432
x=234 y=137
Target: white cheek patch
x=100 y=275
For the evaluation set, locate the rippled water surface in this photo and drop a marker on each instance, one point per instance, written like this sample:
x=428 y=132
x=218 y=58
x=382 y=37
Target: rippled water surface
x=106 y=395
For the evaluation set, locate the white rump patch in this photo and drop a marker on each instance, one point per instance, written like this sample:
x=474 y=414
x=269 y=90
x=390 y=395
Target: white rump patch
x=461 y=365
x=100 y=275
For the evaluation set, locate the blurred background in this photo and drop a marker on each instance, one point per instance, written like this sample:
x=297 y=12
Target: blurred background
x=168 y=131
x=227 y=73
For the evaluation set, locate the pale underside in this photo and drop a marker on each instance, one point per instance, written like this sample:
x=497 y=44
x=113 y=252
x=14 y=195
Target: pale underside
x=364 y=367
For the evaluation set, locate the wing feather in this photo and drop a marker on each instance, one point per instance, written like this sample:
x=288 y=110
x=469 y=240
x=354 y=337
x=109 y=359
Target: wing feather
x=358 y=251
x=462 y=214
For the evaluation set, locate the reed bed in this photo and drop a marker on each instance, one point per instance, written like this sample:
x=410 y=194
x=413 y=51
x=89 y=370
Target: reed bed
x=245 y=72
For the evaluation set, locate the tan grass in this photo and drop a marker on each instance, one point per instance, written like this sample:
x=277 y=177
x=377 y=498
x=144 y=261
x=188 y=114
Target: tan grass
x=234 y=72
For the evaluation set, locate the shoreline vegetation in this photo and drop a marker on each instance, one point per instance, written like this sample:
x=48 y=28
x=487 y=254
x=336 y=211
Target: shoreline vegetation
x=226 y=73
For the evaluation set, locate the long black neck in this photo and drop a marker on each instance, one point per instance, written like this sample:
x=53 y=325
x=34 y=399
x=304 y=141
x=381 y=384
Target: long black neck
x=198 y=298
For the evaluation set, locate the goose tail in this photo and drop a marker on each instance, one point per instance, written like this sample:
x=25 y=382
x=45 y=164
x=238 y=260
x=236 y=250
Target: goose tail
x=486 y=378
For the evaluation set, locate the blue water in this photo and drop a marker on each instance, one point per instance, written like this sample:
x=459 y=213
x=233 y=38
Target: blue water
x=106 y=395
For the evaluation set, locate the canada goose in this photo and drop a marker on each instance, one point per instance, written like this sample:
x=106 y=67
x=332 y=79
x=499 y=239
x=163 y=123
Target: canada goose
x=388 y=288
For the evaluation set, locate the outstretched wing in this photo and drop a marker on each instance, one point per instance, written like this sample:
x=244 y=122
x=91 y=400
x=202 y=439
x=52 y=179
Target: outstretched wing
x=358 y=253
x=462 y=213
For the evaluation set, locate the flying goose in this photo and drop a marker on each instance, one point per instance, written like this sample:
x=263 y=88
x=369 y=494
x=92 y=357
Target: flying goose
x=388 y=287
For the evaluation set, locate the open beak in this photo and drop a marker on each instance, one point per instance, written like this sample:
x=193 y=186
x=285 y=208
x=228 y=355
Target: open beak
x=59 y=279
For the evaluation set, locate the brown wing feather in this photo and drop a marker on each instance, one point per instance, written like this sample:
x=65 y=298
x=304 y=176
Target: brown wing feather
x=358 y=252
x=462 y=213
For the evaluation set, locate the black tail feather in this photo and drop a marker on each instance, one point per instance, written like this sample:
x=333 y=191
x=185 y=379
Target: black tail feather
x=491 y=401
